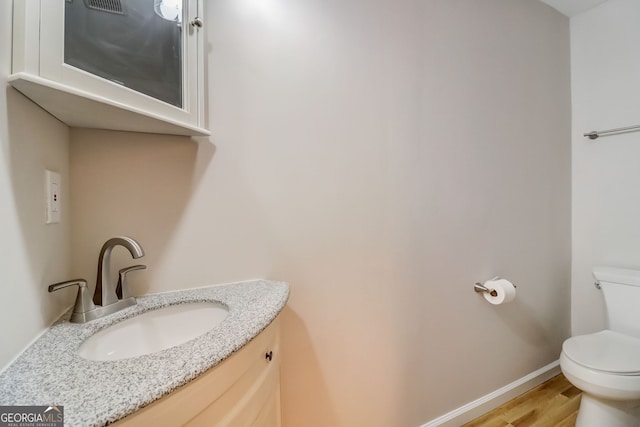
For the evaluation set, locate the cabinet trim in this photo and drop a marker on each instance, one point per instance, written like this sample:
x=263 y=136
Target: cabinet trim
x=82 y=109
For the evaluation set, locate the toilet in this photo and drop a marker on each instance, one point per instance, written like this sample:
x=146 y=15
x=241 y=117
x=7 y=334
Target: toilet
x=606 y=365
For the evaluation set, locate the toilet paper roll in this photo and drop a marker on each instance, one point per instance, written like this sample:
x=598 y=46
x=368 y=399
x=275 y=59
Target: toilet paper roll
x=505 y=291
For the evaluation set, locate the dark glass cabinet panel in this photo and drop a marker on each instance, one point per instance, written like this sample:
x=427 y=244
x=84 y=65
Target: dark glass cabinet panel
x=134 y=43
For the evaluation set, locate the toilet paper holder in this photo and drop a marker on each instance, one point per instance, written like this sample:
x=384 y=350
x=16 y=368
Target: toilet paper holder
x=482 y=289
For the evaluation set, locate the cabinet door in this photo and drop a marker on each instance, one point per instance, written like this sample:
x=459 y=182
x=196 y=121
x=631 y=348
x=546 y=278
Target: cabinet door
x=141 y=53
x=242 y=391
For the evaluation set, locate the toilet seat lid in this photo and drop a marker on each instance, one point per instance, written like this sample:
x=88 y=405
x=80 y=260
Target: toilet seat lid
x=606 y=351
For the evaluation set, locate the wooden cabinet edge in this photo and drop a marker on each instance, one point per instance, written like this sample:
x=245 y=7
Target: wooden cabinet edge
x=200 y=395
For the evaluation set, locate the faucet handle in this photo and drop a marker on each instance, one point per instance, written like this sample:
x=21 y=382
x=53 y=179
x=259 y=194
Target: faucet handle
x=83 y=304
x=79 y=282
x=122 y=290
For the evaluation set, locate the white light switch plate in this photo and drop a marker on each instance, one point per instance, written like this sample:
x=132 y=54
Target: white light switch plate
x=52 y=191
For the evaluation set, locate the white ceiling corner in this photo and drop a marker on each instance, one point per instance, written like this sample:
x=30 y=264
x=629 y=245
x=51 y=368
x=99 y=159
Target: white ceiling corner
x=573 y=7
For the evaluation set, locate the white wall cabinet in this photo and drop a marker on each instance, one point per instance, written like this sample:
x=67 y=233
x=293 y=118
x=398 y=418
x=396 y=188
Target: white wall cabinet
x=134 y=65
x=243 y=390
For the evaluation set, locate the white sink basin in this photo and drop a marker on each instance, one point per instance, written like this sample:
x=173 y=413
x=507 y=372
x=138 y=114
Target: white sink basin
x=153 y=331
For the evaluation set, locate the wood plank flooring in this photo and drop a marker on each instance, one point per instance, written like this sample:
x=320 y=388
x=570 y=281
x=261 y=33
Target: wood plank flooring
x=553 y=403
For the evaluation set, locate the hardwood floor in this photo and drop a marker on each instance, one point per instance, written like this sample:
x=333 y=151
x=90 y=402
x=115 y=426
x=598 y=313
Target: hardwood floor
x=554 y=403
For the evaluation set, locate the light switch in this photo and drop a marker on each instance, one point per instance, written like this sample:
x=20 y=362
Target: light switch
x=52 y=191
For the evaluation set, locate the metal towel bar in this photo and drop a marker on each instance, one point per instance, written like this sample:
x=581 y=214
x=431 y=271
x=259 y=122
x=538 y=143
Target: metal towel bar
x=597 y=133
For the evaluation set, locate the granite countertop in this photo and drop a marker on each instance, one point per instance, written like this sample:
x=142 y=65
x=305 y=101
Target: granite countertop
x=50 y=371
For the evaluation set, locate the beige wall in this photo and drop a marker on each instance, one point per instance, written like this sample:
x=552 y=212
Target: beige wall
x=381 y=157
x=32 y=254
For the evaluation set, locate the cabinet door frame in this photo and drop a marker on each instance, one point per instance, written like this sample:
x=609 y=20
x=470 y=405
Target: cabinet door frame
x=52 y=66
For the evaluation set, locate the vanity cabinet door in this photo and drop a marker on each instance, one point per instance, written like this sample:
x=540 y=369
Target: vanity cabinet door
x=253 y=400
x=145 y=56
x=242 y=391
x=269 y=415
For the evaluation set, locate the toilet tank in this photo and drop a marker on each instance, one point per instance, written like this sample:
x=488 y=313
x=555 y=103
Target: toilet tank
x=621 y=291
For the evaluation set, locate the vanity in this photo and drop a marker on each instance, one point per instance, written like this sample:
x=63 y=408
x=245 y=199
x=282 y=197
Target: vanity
x=225 y=377
x=243 y=390
x=139 y=66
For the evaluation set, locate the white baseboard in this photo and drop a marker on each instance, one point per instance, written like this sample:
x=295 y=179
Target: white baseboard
x=486 y=403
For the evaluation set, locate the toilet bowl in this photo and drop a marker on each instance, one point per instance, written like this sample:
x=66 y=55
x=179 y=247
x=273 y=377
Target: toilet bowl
x=606 y=365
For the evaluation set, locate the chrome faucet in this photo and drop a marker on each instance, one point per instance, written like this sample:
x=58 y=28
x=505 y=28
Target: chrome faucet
x=105 y=293
x=108 y=297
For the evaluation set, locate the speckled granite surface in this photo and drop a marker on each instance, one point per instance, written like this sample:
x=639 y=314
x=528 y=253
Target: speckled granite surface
x=50 y=372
